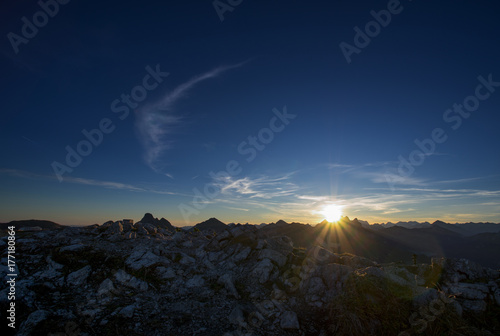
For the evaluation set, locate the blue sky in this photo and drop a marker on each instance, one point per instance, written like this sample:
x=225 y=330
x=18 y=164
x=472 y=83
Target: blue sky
x=175 y=96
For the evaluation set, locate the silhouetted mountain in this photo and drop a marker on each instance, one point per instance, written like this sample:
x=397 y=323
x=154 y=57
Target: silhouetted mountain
x=469 y=229
x=447 y=240
x=44 y=224
x=212 y=224
x=163 y=223
x=344 y=236
x=407 y=225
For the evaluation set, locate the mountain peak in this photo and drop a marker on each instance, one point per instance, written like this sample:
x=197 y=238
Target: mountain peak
x=148 y=218
x=211 y=224
x=438 y=222
x=163 y=223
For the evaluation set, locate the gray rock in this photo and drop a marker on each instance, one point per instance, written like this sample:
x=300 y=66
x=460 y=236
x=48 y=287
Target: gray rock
x=52 y=270
x=273 y=255
x=178 y=236
x=236 y=231
x=130 y=281
x=151 y=228
x=131 y=235
x=242 y=255
x=335 y=273
x=475 y=306
x=469 y=291
x=186 y=260
x=400 y=276
x=141 y=257
x=196 y=281
x=237 y=317
x=79 y=277
x=321 y=255
x=261 y=243
x=425 y=297
x=127 y=311
x=263 y=270
x=141 y=229
x=106 y=287
x=223 y=236
x=456 y=307
x=117 y=227
x=313 y=286
x=28 y=326
x=72 y=248
x=187 y=244
x=128 y=227
x=227 y=281
x=458 y=270
x=497 y=297
x=282 y=244
x=289 y=320
x=165 y=272
x=356 y=261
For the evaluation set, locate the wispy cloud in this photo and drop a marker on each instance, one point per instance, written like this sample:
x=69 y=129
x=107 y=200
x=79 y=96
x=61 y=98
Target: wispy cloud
x=85 y=181
x=262 y=187
x=377 y=172
x=156 y=121
x=287 y=198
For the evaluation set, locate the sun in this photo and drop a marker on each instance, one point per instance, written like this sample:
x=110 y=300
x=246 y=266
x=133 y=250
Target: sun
x=332 y=212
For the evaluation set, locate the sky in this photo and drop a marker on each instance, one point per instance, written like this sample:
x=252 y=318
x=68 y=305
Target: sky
x=249 y=111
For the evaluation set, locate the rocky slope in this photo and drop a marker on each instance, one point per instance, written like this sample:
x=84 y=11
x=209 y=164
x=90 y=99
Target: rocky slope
x=143 y=279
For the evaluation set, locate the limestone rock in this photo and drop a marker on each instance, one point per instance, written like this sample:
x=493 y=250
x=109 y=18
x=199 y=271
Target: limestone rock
x=289 y=320
x=79 y=277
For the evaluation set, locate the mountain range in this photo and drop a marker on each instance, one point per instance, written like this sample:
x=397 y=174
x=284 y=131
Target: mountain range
x=388 y=242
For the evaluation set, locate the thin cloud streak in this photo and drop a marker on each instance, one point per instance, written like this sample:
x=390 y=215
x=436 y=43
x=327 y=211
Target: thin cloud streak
x=282 y=198
x=156 y=121
x=84 y=181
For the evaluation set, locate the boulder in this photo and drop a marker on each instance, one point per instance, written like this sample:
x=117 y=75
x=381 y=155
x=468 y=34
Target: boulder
x=130 y=281
x=141 y=257
x=474 y=306
x=263 y=270
x=469 y=291
x=196 y=281
x=289 y=320
x=227 y=281
x=320 y=255
x=127 y=311
x=27 y=327
x=242 y=255
x=106 y=287
x=72 y=248
x=166 y=273
x=79 y=277
x=273 y=255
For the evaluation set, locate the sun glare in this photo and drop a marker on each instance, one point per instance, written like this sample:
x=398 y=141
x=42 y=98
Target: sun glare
x=332 y=212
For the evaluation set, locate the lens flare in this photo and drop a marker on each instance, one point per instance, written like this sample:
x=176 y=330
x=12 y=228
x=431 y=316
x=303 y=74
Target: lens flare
x=332 y=212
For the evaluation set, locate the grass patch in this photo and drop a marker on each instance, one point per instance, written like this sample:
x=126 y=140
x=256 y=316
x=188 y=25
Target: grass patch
x=370 y=306
x=244 y=240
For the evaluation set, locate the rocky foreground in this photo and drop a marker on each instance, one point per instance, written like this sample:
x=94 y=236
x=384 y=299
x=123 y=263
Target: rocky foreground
x=142 y=279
